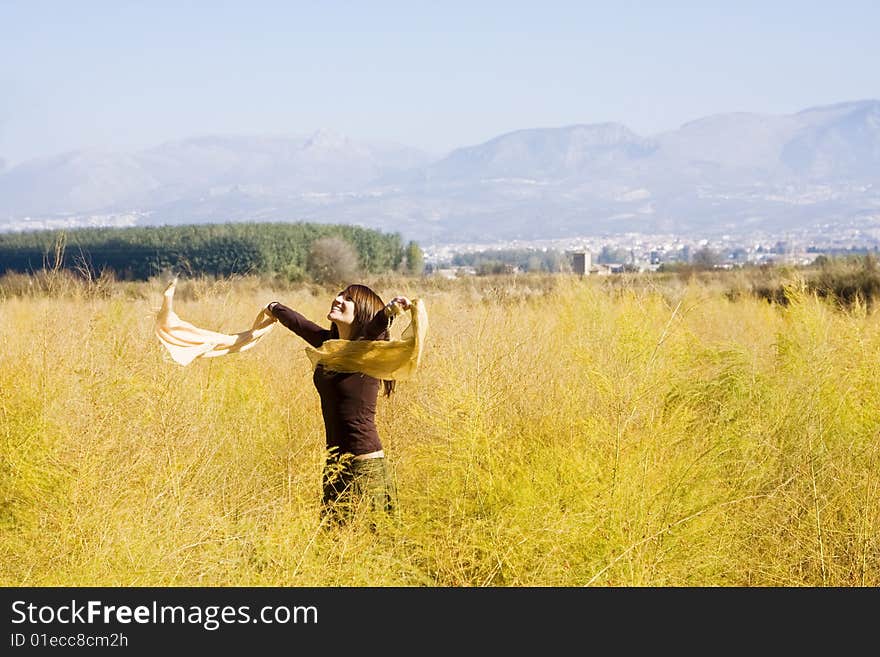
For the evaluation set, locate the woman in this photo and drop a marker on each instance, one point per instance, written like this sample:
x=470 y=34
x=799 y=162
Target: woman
x=355 y=468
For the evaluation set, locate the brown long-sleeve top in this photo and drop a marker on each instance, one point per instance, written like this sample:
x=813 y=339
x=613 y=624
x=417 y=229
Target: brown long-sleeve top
x=348 y=400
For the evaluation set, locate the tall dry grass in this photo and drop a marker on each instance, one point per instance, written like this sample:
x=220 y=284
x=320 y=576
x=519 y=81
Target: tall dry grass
x=566 y=432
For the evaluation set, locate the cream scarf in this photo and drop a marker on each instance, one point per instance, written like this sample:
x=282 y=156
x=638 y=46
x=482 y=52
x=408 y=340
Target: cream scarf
x=382 y=359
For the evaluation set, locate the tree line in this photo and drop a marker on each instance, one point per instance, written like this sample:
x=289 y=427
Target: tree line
x=297 y=251
x=500 y=261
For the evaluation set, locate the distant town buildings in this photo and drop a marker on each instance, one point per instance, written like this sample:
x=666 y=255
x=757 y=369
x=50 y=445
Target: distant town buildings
x=610 y=254
x=581 y=262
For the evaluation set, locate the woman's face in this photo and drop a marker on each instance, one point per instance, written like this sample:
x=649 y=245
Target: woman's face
x=342 y=309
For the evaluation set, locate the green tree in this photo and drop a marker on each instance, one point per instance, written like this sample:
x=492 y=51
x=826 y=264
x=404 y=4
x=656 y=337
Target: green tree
x=415 y=259
x=610 y=255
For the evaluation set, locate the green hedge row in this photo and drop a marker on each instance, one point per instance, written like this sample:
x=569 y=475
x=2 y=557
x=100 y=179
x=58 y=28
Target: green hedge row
x=217 y=249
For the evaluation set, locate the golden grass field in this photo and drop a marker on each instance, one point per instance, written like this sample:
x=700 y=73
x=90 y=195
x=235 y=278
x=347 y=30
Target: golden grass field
x=561 y=432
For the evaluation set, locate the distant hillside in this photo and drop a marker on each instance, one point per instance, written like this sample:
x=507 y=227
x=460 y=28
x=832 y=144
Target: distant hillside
x=554 y=153
x=726 y=173
x=196 y=169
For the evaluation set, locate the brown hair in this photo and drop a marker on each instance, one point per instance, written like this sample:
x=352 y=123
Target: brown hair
x=367 y=304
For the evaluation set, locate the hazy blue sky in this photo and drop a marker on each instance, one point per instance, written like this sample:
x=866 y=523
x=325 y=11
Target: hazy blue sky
x=435 y=75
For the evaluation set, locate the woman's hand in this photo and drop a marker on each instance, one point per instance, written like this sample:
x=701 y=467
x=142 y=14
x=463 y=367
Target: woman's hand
x=403 y=302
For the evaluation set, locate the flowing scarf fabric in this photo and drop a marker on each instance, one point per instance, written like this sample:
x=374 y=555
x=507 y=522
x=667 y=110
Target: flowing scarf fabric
x=383 y=359
x=186 y=342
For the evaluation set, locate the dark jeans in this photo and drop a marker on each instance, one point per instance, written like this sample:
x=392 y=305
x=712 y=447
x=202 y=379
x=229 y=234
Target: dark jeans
x=350 y=485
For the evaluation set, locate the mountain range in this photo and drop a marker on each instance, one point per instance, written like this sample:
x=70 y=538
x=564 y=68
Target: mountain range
x=728 y=173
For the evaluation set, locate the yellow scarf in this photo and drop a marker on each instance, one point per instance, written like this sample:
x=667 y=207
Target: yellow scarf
x=382 y=359
x=186 y=342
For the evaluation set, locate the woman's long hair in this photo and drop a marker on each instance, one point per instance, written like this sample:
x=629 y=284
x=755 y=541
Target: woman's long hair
x=367 y=304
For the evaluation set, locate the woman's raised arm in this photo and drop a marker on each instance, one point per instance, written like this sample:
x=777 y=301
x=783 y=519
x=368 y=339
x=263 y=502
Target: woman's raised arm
x=312 y=333
x=382 y=321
